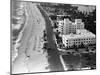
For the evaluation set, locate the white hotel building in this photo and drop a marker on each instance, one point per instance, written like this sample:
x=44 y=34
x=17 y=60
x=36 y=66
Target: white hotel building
x=82 y=36
x=74 y=33
x=66 y=26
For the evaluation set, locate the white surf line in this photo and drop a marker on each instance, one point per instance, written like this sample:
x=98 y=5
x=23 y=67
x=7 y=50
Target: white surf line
x=63 y=63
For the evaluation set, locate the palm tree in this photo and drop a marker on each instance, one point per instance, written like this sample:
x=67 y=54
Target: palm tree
x=82 y=45
x=75 y=47
x=87 y=49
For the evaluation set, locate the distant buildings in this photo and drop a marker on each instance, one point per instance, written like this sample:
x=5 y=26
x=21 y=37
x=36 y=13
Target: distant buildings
x=74 y=33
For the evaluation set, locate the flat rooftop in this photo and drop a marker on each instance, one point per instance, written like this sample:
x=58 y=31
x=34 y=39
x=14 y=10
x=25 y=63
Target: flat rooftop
x=83 y=33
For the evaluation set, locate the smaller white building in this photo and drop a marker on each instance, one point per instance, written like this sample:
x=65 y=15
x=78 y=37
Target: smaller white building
x=60 y=26
x=81 y=36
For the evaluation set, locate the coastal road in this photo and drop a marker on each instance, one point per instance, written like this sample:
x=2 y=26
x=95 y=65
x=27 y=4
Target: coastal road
x=54 y=56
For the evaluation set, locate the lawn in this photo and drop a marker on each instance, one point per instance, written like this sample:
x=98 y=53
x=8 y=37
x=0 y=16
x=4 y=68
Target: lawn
x=83 y=60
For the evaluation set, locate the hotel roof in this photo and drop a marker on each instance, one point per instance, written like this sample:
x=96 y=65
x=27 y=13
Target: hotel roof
x=82 y=34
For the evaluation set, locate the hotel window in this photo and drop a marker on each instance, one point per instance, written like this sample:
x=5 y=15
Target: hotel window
x=79 y=42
